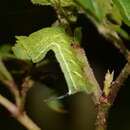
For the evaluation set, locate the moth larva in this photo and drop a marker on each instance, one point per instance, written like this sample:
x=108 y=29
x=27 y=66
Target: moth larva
x=35 y=46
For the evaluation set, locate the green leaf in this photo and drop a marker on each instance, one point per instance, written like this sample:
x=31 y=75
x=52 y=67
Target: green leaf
x=102 y=10
x=41 y=2
x=36 y=46
x=67 y=3
x=63 y=3
x=119 y=30
x=5 y=51
x=93 y=7
x=110 y=11
x=124 y=7
x=115 y=14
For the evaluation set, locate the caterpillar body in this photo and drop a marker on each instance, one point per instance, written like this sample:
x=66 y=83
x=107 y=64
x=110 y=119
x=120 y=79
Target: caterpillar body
x=35 y=47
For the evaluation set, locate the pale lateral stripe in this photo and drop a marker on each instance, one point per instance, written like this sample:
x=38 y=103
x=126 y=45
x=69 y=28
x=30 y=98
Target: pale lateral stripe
x=67 y=51
x=72 y=61
x=67 y=67
x=60 y=52
x=78 y=74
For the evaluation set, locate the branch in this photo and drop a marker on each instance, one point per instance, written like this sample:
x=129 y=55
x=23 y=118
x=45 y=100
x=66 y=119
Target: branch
x=116 y=40
x=5 y=74
x=18 y=115
x=14 y=90
x=17 y=110
x=88 y=72
x=106 y=100
x=118 y=43
x=119 y=82
x=27 y=84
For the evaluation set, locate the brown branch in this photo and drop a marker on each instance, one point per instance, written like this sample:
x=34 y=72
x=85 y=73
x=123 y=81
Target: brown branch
x=18 y=115
x=4 y=72
x=118 y=83
x=118 y=43
x=88 y=72
x=14 y=90
x=102 y=101
x=115 y=39
x=106 y=101
x=17 y=110
x=102 y=115
x=27 y=84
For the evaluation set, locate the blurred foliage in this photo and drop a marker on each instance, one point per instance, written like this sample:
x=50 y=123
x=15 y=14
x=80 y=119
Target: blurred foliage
x=5 y=51
x=110 y=14
x=124 y=7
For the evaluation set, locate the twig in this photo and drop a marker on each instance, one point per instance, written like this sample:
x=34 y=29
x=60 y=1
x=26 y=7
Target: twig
x=118 y=43
x=27 y=84
x=3 y=70
x=102 y=115
x=118 y=82
x=17 y=110
x=115 y=39
x=14 y=89
x=88 y=72
x=107 y=101
x=18 y=115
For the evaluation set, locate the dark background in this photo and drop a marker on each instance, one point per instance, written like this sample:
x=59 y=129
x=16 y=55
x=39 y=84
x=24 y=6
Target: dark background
x=20 y=17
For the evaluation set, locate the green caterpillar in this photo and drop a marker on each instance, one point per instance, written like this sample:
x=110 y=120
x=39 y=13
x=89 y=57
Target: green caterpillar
x=35 y=47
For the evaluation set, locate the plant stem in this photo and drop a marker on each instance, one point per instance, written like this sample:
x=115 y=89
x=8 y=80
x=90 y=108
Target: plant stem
x=14 y=89
x=107 y=101
x=27 y=122
x=102 y=115
x=27 y=84
x=116 y=40
x=18 y=115
x=88 y=72
x=118 y=43
x=118 y=82
x=4 y=71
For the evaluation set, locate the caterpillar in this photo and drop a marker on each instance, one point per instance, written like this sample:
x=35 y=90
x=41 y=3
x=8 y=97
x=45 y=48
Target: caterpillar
x=35 y=47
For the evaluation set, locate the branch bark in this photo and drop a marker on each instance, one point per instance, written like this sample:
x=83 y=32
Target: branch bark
x=18 y=115
x=118 y=83
x=88 y=72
